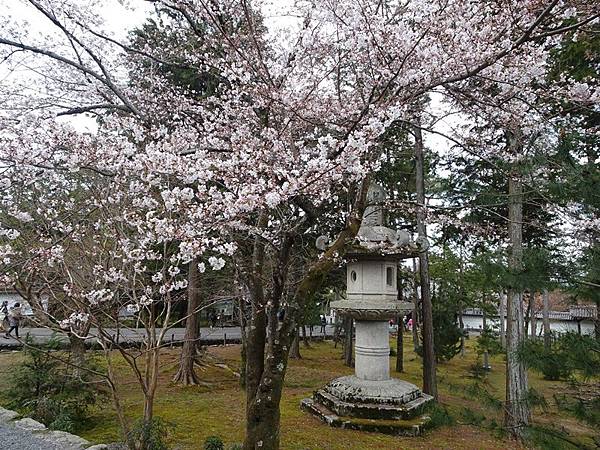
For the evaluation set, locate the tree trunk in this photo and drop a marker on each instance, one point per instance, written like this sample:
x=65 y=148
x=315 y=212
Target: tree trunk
x=348 y=337
x=263 y=391
x=429 y=369
x=461 y=324
x=295 y=349
x=263 y=414
x=305 y=337
x=546 y=319
x=415 y=315
x=517 y=413
x=336 y=331
x=399 y=345
x=243 y=358
x=264 y=384
x=597 y=321
x=484 y=318
x=486 y=356
x=400 y=331
x=502 y=315
x=527 y=314
x=256 y=336
x=242 y=306
x=532 y=316
x=77 y=347
x=189 y=351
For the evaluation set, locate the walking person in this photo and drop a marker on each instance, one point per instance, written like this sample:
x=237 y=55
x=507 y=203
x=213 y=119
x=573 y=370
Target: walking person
x=323 y=324
x=4 y=315
x=14 y=318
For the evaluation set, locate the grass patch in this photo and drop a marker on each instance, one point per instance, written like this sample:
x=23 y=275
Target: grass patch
x=218 y=409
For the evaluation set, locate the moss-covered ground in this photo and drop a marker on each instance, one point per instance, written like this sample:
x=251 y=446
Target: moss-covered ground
x=217 y=408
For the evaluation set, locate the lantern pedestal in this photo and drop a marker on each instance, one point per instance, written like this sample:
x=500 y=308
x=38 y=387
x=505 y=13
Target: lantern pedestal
x=370 y=400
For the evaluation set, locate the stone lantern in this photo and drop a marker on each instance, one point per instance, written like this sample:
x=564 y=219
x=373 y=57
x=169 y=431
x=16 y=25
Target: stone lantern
x=390 y=405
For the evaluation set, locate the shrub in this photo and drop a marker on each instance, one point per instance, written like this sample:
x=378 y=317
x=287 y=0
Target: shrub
x=214 y=443
x=45 y=388
x=471 y=417
x=478 y=391
x=549 y=439
x=439 y=416
x=536 y=399
x=569 y=354
x=446 y=333
x=586 y=410
x=477 y=371
x=150 y=435
x=488 y=341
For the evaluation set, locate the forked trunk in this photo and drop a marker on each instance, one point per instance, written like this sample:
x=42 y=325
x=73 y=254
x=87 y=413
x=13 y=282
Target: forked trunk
x=266 y=364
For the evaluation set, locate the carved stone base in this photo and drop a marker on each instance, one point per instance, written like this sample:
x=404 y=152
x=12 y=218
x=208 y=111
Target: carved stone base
x=390 y=406
x=412 y=427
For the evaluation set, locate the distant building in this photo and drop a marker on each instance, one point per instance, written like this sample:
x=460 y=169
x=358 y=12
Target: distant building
x=578 y=318
x=225 y=308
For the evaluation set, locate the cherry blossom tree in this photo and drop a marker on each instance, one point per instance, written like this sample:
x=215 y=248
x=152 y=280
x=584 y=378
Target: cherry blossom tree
x=301 y=119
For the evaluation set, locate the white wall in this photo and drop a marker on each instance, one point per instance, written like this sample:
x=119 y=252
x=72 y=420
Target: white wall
x=560 y=326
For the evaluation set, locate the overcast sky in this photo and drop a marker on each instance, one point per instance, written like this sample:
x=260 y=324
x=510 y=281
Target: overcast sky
x=121 y=16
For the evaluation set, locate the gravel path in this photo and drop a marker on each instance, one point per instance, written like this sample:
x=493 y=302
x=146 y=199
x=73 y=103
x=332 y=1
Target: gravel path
x=16 y=439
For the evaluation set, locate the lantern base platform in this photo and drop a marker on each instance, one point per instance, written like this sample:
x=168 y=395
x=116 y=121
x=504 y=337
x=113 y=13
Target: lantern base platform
x=391 y=406
x=399 y=427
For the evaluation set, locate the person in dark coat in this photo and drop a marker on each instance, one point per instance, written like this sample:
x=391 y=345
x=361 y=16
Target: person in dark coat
x=14 y=319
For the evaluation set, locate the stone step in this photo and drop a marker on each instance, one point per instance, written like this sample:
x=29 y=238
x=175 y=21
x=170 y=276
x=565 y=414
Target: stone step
x=414 y=427
x=406 y=411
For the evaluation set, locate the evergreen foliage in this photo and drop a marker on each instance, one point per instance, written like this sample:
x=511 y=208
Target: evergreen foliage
x=45 y=388
x=568 y=355
x=214 y=443
x=150 y=434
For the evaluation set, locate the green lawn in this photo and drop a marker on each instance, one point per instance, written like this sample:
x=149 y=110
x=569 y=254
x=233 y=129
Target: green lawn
x=218 y=408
